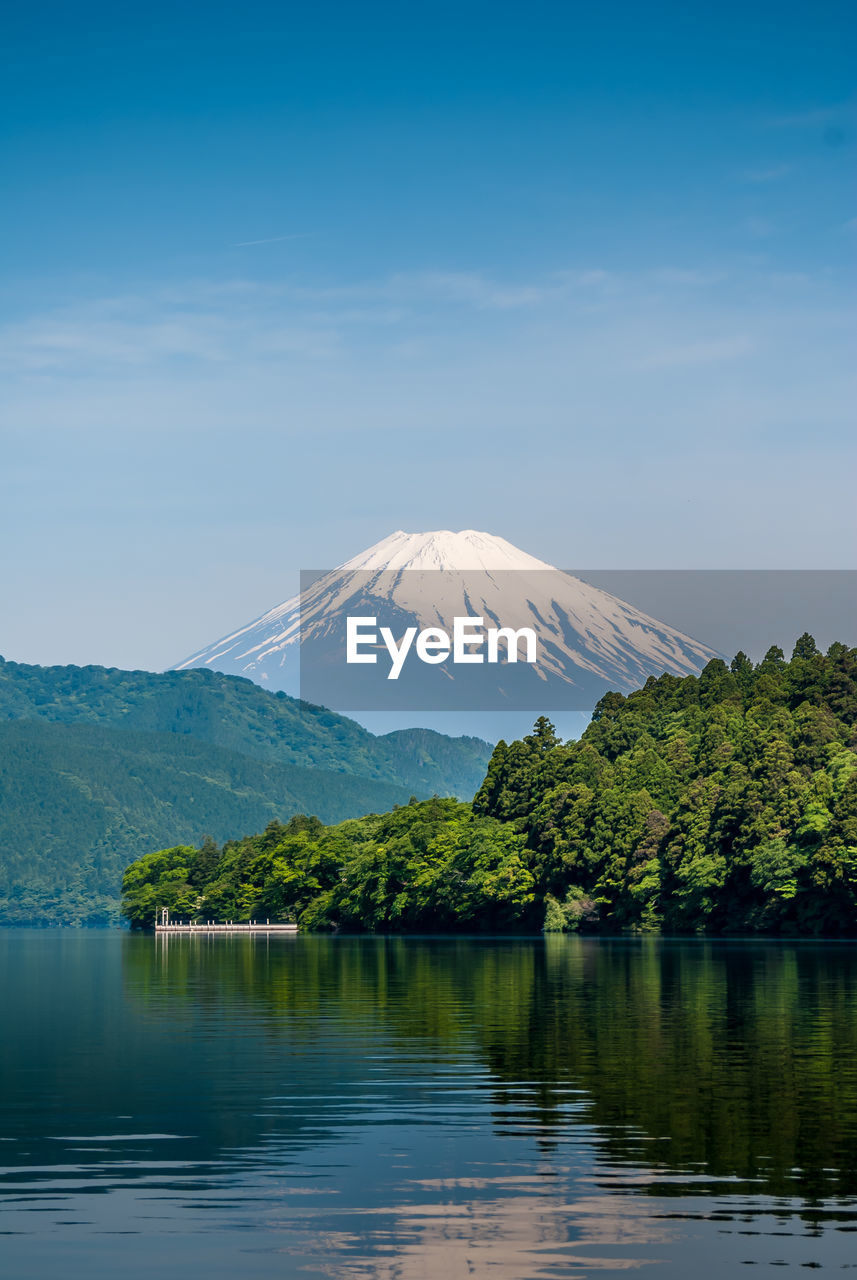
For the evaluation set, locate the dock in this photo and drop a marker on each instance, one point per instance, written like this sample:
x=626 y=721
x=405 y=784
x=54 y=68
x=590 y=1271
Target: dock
x=168 y=926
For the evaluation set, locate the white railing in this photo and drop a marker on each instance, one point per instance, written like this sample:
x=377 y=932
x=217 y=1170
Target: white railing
x=251 y=926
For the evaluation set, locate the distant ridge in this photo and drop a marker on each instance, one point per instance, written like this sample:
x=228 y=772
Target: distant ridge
x=99 y=766
x=238 y=715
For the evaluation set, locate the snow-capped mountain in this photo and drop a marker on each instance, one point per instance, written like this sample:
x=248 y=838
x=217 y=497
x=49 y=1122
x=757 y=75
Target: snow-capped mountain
x=589 y=640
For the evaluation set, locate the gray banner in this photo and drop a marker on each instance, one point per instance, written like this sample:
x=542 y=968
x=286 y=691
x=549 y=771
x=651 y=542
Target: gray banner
x=545 y=640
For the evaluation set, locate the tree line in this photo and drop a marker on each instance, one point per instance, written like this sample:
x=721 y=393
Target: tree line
x=723 y=803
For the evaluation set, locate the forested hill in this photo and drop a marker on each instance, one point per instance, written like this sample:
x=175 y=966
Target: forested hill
x=78 y=801
x=725 y=802
x=98 y=767
x=234 y=713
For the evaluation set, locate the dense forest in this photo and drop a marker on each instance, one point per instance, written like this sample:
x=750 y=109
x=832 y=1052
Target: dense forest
x=78 y=801
x=238 y=715
x=98 y=767
x=424 y=866
x=725 y=802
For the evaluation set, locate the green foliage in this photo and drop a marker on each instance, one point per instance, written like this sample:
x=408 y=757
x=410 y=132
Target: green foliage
x=726 y=802
x=98 y=767
x=575 y=910
x=426 y=866
x=723 y=803
x=238 y=715
x=78 y=802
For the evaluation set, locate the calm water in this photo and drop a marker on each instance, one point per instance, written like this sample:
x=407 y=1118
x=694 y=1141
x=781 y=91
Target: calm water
x=390 y=1108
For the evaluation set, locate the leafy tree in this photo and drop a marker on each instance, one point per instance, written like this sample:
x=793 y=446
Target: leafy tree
x=725 y=802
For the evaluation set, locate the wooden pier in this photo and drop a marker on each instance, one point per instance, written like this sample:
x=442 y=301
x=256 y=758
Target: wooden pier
x=165 y=925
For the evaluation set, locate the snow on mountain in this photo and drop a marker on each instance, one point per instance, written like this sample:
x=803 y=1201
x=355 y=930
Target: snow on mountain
x=468 y=550
x=588 y=638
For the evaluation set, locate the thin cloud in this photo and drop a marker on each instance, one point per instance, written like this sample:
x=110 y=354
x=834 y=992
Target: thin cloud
x=469 y=288
x=692 y=278
x=759 y=228
x=690 y=354
x=298 y=235
x=803 y=119
x=239 y=326
x=772 y=174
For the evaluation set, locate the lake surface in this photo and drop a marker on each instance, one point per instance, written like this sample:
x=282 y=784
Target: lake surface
x=392 y=1109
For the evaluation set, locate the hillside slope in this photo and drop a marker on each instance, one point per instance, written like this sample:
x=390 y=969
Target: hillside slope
x=231 y=712
x=79 y=802
x=98 y=766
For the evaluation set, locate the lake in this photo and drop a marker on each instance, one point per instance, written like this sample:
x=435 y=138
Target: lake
x=394 y=1109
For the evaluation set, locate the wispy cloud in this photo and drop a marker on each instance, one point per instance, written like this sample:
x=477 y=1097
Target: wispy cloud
x=571 y=324
x=297 y=235
x=472 y=289
x=759 y=228
x=693 y=278
x=772 y=174
x=235 y=321
x=168 y=330
x=813 y=116
x=695 y=354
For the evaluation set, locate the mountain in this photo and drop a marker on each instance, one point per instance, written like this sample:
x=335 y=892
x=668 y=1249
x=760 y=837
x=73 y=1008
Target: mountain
x=238 y=715
x=78 y=801
x=590 y=641
x=99 y=766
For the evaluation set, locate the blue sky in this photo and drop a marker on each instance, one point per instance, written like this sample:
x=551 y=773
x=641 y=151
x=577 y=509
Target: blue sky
x=277 y=280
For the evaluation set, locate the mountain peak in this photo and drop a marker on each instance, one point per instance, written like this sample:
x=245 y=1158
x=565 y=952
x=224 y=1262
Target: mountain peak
x=469 y=549
x=590 y=639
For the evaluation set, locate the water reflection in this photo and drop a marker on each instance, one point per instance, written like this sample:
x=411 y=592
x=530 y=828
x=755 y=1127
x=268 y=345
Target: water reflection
x=423 y=1107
